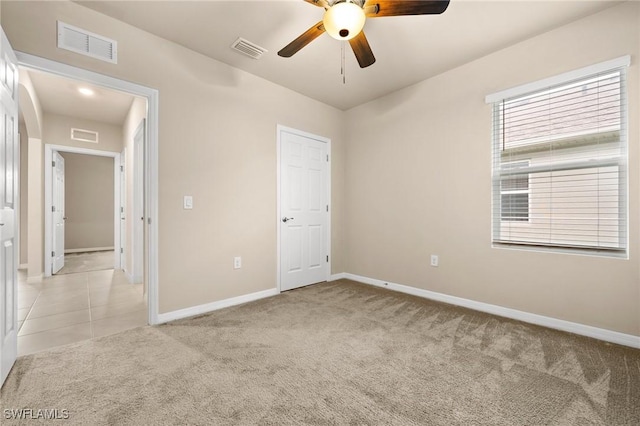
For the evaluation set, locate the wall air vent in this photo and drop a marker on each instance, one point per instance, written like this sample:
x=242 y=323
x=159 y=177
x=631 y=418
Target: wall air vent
x=84 y=135
x=247 y=48
x=81 y=41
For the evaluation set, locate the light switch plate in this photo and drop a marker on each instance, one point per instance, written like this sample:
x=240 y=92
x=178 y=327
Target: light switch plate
x=188 y=202
x=434 y=260
x=237 y=262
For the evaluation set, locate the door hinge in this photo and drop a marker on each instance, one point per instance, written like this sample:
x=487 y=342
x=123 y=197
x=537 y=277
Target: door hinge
x=53 y=254
x=53 y=208
x=327 y=207
x=149 y=221
x=53 y=163
x=327 y=258
x=122 y=168
x=327 y=157
x=121 y=250
x=121 y=209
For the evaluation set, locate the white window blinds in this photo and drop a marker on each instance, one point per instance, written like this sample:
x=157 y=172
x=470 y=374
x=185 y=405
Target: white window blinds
x=559 y=163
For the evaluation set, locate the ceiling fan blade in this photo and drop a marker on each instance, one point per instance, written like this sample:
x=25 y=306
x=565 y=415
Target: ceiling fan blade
x=320 y=3
x=305 y=38
x=379 y=8
x=362 y=50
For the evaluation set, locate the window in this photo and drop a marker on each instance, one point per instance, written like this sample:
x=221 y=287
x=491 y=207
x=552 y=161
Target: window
x=514 y=194
x=559 y=161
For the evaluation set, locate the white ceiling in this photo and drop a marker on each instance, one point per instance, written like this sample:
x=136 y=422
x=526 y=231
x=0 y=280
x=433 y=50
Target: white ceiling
x=59 y=95
x=408 y=49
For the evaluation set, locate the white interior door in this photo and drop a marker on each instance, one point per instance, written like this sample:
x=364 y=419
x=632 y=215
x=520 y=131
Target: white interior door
x=123 y=201
x=138 y=203
x=8 y=195
x=304 y=210
x=57 y=197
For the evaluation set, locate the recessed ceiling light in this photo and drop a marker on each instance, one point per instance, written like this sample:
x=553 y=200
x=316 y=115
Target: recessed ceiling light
x=86 y=91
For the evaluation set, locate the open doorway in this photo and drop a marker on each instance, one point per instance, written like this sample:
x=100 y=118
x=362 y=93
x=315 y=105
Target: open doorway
x=83 y=204
x=78 y=122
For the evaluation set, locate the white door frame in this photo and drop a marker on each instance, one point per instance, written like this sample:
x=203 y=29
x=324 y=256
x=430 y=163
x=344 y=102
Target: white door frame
x=280 y=130
x=18 y=198
x=151 y=184
x=48 y=200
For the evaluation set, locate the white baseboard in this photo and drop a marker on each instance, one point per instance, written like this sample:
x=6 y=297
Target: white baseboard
x=214 y=306
x=558 y=324
x=23 y=266
x=132 y=279
x=86 y=250
x=336 y=277
x=34 y=279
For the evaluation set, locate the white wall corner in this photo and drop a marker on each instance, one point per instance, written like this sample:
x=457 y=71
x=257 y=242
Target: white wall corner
x=214 y=306
x=557 y=324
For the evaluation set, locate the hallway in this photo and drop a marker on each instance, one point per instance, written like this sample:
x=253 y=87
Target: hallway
x=69 y=308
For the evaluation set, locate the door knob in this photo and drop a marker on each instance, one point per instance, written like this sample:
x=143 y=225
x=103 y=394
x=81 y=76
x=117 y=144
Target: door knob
x=286 y=219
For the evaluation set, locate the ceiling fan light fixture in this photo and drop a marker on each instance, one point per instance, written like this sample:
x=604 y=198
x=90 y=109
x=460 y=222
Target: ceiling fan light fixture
x=344 y=21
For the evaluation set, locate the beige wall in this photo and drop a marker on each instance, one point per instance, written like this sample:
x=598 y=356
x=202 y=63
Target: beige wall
x=88 y=201
x=24 y=192
x=56 y=130
x=206 y=150
x=413 y=181
x=35 y=205
x=32 y=113
x=418 y=182
x=29 y=105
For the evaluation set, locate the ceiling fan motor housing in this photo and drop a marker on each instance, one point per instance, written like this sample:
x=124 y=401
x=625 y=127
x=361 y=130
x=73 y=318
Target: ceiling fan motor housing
x=344 y=19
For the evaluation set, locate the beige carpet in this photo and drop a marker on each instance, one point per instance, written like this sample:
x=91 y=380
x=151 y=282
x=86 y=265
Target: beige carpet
x=334 y=353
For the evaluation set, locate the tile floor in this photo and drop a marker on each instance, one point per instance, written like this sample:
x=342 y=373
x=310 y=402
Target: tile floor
x=85 y=262
x=68 y=308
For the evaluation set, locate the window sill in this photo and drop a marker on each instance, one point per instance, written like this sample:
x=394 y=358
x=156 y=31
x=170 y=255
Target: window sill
x=612 y=254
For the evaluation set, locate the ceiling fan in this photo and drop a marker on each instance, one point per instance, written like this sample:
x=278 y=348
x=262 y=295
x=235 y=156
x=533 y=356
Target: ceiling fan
x=344 y=20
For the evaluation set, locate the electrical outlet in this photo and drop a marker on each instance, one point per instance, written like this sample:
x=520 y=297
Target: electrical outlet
x=434 y=260
x=237 y=262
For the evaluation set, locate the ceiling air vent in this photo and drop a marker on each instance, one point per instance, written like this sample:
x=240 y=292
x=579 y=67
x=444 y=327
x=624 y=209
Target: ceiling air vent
x=84 y=135
x=247 y=48
x=81 y=41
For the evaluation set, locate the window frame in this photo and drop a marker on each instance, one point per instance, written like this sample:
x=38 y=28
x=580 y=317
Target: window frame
x=618 y=64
